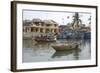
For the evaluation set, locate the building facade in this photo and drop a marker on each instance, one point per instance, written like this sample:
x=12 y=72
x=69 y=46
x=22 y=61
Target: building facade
x=37 y=26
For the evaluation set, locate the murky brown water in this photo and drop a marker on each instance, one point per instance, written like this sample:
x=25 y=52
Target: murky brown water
x=39 y=52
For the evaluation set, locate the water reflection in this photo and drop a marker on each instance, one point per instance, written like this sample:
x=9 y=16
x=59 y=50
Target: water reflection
x=64 y=53
x=39 y=52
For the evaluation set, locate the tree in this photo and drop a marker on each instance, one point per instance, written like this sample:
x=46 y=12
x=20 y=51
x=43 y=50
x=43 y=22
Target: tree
x=76 y=20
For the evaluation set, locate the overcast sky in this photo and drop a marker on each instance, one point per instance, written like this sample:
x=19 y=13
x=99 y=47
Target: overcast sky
x=62 y=18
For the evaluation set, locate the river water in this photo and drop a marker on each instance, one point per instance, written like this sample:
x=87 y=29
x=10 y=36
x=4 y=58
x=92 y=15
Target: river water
x=41 y=52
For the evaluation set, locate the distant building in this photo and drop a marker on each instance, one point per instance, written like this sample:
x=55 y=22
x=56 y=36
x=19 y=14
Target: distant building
x=86 y=29
x=26 y=24
x=63 y=28
x=39 y=26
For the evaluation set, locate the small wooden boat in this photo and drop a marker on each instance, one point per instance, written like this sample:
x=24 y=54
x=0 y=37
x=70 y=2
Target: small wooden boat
x=44 y=39
x=65 y=47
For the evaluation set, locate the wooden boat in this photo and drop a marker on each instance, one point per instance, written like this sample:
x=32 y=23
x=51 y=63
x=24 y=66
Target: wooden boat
x=63 y=47
x=44 y=39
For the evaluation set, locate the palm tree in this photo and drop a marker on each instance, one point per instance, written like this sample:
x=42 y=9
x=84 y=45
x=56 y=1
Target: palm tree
x=76 y=21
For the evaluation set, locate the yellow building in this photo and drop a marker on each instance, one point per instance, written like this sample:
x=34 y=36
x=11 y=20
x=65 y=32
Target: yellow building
x=39 y=26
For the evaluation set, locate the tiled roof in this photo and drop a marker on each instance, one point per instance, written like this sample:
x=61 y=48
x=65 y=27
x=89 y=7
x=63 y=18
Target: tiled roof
x=49 y=22
x=36 y=20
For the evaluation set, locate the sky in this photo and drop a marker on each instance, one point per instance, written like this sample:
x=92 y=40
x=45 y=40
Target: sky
x=62 y=18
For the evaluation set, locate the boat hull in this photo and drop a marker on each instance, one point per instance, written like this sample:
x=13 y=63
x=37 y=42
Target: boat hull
x=62 y=48
x=44 y=41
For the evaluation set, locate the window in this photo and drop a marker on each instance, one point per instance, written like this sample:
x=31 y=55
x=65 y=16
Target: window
x=41 y=30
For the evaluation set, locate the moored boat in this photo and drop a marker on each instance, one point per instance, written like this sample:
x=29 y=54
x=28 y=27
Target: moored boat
x=62 y=47
x=45 y=39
